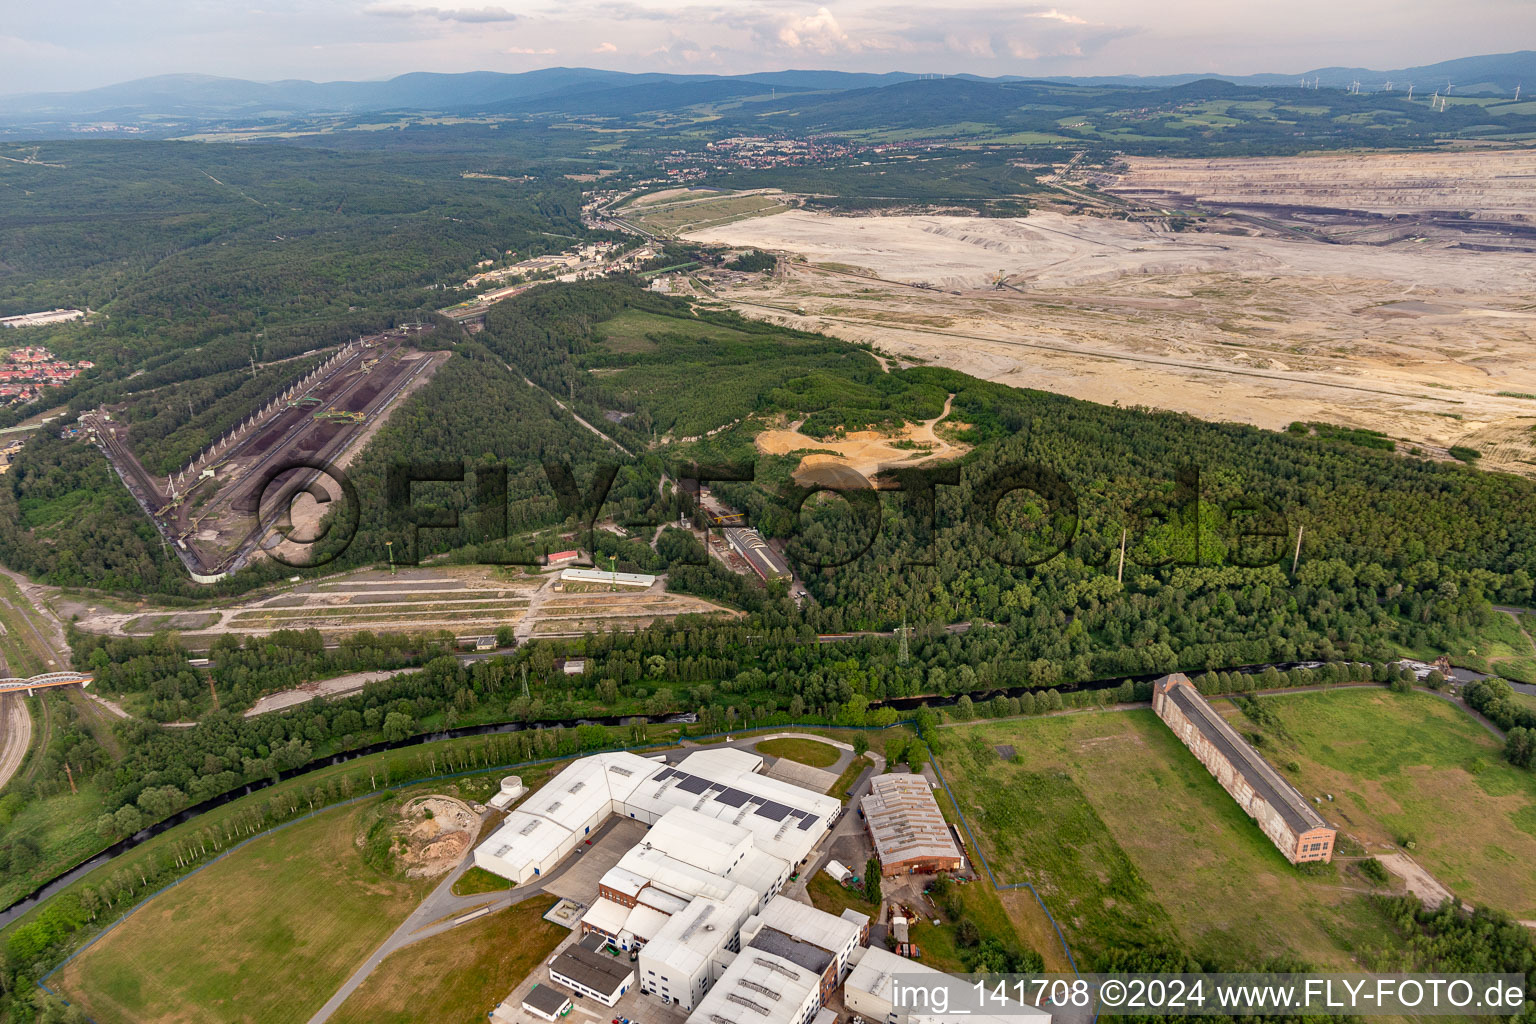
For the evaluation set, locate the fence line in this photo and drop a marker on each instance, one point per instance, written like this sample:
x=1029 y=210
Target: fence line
x=663 y=744
x=975 y=846
x=42 y=982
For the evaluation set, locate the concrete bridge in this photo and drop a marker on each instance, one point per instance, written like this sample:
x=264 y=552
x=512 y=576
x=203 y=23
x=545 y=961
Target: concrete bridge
x=42 y=682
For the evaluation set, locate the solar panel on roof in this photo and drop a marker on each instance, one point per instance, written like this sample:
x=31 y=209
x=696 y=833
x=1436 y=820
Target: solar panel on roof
x=806 y=822
x=732 y=797
x=665 y=773
x=693 y=784
x=775 y=811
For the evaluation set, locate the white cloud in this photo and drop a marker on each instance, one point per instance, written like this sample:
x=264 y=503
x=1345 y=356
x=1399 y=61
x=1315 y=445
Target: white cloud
x=818 y=33
x=96 y=42
x=468 y=15
x=605 y=48
x=1054 y=15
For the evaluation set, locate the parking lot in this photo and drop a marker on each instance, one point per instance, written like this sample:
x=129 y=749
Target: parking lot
x=586 y=1010
x=612 y=841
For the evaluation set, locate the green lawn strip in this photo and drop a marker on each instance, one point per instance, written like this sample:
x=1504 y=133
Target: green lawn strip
x=264 y=935
x=811 y=752
x=457 y=977
x=1413 y=767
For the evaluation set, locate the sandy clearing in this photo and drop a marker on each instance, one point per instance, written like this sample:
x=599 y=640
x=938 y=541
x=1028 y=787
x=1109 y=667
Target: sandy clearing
x=1497 y=184
x=352 y=682
x=1420 y=882
x=864 y=452
x=1053 y=250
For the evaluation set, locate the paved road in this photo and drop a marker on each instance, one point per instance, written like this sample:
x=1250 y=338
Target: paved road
x=847 y=827
x=428 y=919
x=436 y=913
x=15 y=734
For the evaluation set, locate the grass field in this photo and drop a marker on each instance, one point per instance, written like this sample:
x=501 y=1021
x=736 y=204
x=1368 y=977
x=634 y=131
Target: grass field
x=21 y=634
x=1412 y=766
x=264 y=936
x=846 y=780
x=811 y=752
x=832 y=896
x=677 y=217
x=630 y=331
x=457 y=977
x=1131 y=842
x=478 y=880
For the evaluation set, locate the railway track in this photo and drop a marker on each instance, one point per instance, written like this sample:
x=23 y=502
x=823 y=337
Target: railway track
x=15 y=734
x=280 y=504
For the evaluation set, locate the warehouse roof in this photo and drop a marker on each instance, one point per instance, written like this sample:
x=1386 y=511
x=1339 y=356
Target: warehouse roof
x=724 y=796
x=623 y=579
x=694 y=935
x=547 y=1000
x=597 y=971
x=757 y=988
x=1266 y=782
x=830 y=932
x=877 y=968
x=905 y=821
x=796 y=950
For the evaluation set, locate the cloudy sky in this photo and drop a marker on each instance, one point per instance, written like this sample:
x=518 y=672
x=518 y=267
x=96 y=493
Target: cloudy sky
x=73 y=44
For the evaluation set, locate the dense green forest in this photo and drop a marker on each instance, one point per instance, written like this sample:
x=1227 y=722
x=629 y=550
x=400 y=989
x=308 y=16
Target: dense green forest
x=199 y=261
x=200 y=257
x=1204 y=118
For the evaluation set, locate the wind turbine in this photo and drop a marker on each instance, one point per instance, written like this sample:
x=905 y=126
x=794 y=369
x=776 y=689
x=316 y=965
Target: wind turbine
x=1517 y=91
x=1410 y=91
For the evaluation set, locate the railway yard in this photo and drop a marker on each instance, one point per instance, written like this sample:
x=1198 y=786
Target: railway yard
x=210 y=515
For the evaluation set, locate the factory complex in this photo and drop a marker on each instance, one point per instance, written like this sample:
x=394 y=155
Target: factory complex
x=694 y=914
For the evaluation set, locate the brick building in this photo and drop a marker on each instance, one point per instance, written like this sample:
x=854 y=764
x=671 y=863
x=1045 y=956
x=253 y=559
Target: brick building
x=907 y=828
x=1283 y=814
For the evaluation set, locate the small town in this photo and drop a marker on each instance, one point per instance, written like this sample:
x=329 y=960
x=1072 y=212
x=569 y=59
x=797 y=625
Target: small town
x=768 y=512
x=26 y=372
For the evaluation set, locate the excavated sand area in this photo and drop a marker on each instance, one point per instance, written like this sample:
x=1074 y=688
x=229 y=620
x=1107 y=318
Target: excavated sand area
x=438 y=831
x=1422 y=338
x=1498 y=184
x=829 y=462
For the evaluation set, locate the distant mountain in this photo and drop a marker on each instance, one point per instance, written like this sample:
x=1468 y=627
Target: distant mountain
x=593 y=91
x=1495 y=73
x=637 y=97
x=206 y=95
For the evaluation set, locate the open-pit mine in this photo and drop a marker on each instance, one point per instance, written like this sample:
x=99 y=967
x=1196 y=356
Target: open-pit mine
x=1391 y=292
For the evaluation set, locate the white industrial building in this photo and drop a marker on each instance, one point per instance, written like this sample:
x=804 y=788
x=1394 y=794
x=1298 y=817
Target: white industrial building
x=638 y=580
x=723 y=841
x=791 y=959
x=784 y=821
x=868 y=991
x=692 y=950
x=685 y=856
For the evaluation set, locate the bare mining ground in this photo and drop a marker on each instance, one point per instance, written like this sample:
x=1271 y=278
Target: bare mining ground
x=1420 y=337
x=1495 y=184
